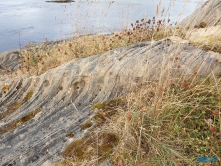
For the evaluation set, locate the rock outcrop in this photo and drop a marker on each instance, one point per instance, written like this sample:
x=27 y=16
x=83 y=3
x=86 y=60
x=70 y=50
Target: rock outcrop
x=60 y=100
x=9 y=61
x=209 y=12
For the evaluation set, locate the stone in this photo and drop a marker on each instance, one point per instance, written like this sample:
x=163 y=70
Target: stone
x=64 y=112
x=209 y=13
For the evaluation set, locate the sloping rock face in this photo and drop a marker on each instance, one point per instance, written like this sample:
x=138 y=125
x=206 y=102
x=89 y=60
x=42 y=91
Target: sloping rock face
x=209 y=12
x=9 y=61
x=66 y=93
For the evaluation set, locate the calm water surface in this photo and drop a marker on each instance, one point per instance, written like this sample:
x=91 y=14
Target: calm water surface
x=24 y=21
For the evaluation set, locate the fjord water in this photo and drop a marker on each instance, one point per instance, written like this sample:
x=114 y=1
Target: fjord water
x=24 y=21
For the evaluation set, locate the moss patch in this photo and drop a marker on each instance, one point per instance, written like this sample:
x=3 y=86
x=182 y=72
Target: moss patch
x=70 y=135
x=201 y=25
x=5 y=89
x=106 y=110
x=14 y=106
x=28 y=97
x=20 y=121
x=91 y=144
x=86 y=125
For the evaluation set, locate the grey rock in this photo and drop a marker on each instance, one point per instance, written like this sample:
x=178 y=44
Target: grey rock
x=9 y=60
x=84 y=82
x=209 y=12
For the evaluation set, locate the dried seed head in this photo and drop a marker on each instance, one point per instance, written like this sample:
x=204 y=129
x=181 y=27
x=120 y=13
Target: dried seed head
x=216 y=113
x=195 y=73
x=129 y=117
x=104 y=114
x=185 y=84
x=212 y=129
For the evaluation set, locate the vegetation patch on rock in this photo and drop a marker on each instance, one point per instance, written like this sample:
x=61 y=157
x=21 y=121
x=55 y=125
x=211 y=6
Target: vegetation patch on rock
x=14 y=106
x=20 y=121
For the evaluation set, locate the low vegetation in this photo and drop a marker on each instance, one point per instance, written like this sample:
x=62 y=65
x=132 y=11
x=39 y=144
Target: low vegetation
x=208 y=43
x=14 y=106
x=37 y=59
x=20 y=122
x=201 y=25
x=159 y=124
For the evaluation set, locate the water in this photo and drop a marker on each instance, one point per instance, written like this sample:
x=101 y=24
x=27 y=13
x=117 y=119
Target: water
x=24 y=21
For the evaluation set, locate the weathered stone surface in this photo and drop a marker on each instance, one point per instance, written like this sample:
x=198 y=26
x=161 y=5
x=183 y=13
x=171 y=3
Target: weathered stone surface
x=67 y=92
x=209 y=12
x=9 y=60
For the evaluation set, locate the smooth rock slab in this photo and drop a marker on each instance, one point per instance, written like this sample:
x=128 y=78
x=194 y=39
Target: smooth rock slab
x=66 y=94
x=209 y=12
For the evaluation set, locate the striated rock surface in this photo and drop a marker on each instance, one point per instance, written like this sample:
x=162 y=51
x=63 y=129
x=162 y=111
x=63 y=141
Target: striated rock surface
x=65 y=95
x=9 y=60
x=209 y=12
